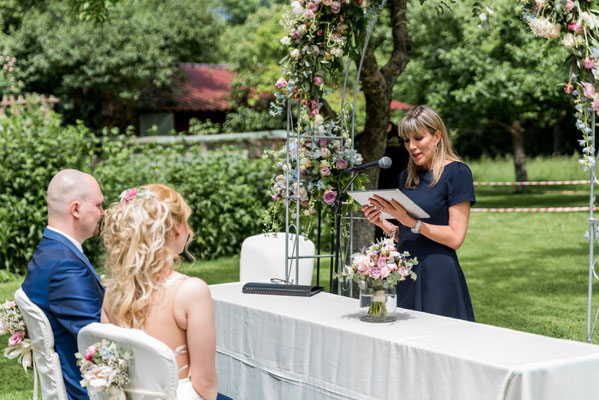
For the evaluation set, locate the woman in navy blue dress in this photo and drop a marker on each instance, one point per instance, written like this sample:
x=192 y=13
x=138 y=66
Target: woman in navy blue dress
x=441 y=184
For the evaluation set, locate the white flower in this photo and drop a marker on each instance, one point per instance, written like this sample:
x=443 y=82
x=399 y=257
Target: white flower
x=295 y=53
x=540 y=26
x=98 y=377
x=3 y=328
x=568 y=40
x=296 y=8
x=541 y=3
x=286 y=41
x=336 y=52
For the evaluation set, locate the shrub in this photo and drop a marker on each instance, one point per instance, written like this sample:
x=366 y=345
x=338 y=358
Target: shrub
x=226 y=191
x=33 y=148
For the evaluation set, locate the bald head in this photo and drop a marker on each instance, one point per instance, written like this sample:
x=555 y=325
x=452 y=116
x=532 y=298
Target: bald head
x=67 y=186
x=75 y=204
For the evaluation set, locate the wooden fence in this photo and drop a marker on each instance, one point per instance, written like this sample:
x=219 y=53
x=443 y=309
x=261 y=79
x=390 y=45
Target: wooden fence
x=15 y=105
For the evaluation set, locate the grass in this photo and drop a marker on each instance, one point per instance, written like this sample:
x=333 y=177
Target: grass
x=525 y=271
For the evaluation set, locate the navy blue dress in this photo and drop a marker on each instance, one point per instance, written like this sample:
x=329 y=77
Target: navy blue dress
x=440 y=287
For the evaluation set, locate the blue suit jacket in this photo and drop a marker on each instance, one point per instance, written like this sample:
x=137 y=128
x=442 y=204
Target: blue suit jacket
x=63 y=283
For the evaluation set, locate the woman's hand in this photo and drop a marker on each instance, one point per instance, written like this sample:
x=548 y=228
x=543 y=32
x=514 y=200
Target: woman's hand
x=372 y=214
x=394 y=209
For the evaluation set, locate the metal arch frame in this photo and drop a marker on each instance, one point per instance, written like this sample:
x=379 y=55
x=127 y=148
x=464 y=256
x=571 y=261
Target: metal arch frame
x=592 y=230
x=294 y=133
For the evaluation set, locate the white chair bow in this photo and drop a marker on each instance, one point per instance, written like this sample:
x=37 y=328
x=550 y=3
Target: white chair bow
x=153 y=371
x=46 y=364
x=263 y=257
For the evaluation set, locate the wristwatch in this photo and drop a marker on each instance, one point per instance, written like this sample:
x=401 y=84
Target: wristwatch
x=416 y=229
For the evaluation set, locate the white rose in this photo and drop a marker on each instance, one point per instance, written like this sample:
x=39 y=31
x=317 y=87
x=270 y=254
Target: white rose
x=296 y=8
x=295 y=53
x=568 y=40
x=286 y=41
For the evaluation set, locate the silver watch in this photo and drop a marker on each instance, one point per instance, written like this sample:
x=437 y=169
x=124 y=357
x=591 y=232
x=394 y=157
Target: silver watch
x=416 y=229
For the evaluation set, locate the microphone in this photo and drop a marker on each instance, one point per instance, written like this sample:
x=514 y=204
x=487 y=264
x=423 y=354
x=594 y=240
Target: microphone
x=383 y=163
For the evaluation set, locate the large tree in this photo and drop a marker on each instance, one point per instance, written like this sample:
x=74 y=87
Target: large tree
x=100 y=70
x=485 y=82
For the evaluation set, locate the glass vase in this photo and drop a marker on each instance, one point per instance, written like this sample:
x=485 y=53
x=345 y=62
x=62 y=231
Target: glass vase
x=378 y=305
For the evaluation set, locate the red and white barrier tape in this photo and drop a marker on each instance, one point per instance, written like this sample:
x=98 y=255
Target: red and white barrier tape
x=529 y=210
x=532 y=183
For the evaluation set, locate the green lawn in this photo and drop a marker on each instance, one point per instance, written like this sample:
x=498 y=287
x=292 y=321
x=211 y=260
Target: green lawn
x=525 y=271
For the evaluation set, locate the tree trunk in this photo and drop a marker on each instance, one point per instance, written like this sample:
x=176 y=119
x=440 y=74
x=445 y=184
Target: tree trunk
x=517 y=132
x=377 y=85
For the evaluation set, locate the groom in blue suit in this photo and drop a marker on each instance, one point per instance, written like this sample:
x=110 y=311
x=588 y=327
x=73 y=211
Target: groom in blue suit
x=60 y=279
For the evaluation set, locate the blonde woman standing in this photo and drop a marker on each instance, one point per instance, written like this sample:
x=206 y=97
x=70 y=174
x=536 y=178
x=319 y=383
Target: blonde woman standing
x=441 y=184
x=144 y=234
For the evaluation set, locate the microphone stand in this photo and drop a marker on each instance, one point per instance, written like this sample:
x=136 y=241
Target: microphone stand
x=334 y=283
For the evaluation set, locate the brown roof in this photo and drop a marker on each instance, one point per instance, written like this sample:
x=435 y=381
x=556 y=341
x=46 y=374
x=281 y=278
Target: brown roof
x=199 y=87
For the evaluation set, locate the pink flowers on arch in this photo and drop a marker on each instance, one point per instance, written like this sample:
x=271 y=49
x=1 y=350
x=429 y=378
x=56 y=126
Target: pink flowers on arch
x=281 y=83
x=329 y=197
x=588 y=90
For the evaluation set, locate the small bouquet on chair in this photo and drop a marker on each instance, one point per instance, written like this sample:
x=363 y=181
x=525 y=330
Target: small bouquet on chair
x=19 y=344
x=377 y=269
x=104 y=368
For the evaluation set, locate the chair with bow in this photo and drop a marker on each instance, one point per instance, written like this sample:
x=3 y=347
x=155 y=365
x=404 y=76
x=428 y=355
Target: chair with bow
x=153 y=371
x=263 y=258
x=46 y=364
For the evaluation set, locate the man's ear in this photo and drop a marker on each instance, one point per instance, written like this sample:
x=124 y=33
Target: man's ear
x=75 y=209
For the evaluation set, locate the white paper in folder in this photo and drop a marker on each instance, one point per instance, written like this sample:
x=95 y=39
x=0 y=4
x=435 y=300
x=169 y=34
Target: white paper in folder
x=390 y=194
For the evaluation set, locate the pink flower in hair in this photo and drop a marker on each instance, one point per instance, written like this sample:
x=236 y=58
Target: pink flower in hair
x=129 y=195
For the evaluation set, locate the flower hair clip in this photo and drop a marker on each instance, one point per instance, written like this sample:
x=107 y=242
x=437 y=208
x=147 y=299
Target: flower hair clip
x=132 y=194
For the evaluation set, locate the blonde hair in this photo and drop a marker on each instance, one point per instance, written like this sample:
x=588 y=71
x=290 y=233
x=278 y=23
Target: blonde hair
x=135 y=234
x=420 y=120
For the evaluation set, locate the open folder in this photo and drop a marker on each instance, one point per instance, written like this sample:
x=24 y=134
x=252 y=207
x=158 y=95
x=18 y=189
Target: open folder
x=412 y=208
x=281 y=289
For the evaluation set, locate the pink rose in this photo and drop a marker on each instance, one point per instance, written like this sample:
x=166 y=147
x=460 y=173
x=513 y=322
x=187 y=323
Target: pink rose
x=341 y=164
x=569 y=5
x=312 y=6
x=335 y=7
x=363 y=270
x=129 y=195
x=318 y=81
x=576 y=27
x=295 y=53
x=281 y=83
x=589 y=62
x=324 y=152
x=89 y=353
x=329 y=197
x=588 y=90
x=403 y=271
x=323 y=142
x=310 y=14
x=17 y=338
x=375 y=273
x=325 y=171
x=596 y=105
x=382 y=261
x=385 y=272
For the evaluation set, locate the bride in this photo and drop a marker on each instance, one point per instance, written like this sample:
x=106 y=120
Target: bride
x=144 y=234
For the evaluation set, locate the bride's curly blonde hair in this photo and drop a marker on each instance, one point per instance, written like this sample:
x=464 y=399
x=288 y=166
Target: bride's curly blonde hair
x=135 y=232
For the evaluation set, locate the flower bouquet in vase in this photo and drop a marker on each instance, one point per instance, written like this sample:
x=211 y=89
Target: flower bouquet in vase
x=377 y=269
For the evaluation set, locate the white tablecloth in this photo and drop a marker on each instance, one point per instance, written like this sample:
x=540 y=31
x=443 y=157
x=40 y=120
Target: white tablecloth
x=283 y=347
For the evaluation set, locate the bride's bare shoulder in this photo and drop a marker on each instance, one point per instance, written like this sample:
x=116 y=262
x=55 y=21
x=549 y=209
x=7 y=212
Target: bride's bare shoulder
x=193 y=288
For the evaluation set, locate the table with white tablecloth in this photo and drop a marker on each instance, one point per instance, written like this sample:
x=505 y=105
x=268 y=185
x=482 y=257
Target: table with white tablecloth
x=286 y=347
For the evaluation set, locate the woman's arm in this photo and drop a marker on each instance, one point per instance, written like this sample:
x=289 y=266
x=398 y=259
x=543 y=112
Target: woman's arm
x=195 y=299
x=451 y=235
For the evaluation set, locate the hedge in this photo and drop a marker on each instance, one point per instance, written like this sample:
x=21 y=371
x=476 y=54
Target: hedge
x=226 y=191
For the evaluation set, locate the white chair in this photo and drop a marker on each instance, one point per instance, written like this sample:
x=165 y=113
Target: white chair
x=46 y=362
x=263 y=257
x=153 y=371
